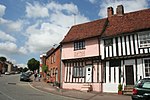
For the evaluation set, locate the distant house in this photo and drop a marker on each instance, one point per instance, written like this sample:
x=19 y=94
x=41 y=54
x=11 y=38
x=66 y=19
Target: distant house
x=125 y=48
x=42 y=62
x=1 y=66
x=53 y=61
x=6 y=66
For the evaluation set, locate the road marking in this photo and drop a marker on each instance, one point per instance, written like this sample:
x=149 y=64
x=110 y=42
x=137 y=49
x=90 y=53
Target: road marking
x=7 y=96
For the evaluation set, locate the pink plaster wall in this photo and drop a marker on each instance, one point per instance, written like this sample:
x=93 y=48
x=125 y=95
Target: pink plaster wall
x=77 y=86
x=91 y=49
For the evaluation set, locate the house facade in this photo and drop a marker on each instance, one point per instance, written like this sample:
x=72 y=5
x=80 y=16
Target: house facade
x=53 y=62
x=81 y=60
x=125 y=48
x=98 y=55
x=1 y=66
x=42 y=62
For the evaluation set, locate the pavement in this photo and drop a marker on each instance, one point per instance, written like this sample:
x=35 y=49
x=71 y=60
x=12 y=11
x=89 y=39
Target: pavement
x=49 y=88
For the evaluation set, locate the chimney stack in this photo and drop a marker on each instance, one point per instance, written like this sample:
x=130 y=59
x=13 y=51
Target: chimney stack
x=120 y=10
x=110 y=11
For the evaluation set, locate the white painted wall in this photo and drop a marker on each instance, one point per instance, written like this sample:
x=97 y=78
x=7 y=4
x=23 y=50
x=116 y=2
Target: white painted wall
x=140 y=69
x=110 y=87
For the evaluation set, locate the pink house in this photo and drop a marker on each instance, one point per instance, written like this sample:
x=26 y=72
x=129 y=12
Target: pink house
x=82 y=65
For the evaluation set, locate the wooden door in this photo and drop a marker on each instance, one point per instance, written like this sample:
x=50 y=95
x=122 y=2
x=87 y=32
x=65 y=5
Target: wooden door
x=129 y=75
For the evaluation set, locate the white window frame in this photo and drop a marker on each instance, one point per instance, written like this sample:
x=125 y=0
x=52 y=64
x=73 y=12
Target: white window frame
x=79 y=45
x=145 y=67
x=146 y=39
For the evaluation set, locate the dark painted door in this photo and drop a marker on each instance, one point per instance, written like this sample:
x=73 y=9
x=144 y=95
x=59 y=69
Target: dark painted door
x=129 y=75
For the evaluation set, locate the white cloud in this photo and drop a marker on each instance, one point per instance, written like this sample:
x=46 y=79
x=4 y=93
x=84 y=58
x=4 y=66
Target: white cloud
x=93 y=1
x=8 y=58
x=36 y=10
x=8 y=47
x=6 y=37
x=11 y=26
x=23 y=50
x=3 y=21
x=129 y=5
x=68 y=8
x=22 y=65
x=43 y=38
x=15 y=25
x=2 y=10
x=44 y=34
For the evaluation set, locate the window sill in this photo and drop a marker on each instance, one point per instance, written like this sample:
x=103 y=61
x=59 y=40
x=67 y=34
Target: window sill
x=79 y=49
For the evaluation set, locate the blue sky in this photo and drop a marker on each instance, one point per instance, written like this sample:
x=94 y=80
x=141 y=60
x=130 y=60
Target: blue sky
x=29 y=28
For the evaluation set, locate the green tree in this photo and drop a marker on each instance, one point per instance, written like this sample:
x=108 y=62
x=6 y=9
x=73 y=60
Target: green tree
x=33 y=64
x=44 y=68
x=3 y=59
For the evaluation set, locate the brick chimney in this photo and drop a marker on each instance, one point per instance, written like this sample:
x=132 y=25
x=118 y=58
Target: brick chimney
x=110 y=11
x=120 y=10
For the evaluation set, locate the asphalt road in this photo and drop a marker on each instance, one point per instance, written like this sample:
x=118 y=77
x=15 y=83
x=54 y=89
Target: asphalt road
x=12 y=89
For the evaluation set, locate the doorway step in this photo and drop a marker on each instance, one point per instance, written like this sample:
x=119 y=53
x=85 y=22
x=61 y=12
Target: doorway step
x=128 y=90
x=86 y=88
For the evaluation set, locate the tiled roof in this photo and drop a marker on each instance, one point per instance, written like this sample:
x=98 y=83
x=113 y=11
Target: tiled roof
x=52 y=50
x=129 y=22
x=49 y=52
x=85 y=30
x=111 y=26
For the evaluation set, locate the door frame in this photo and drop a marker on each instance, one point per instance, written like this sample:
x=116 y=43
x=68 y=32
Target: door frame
x=126 y=73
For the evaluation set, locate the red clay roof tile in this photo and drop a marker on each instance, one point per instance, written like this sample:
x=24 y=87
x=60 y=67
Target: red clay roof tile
x=116 y=25
x=129 y=22
x=85 y=30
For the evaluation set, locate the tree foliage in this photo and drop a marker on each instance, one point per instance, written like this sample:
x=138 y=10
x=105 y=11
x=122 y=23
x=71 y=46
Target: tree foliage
x=33 y=64
x=3 y=59
x=44 y=68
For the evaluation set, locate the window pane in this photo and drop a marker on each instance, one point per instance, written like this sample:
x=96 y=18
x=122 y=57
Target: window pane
x=79 y=45
x=81 y=71
x=146 y=61
x=144 y=39
x=146 y=70
x=147 y=67
x=146 y=74
x=78 y=72
x=74 y=72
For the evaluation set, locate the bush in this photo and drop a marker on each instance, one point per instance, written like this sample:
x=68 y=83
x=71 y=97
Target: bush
x=120 y=87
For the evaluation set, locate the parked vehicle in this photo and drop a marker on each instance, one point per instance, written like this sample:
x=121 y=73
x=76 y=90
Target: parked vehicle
x=25 y=77
x=29 y=73
x=141 y=90
x=7 y=73
x=12 y=72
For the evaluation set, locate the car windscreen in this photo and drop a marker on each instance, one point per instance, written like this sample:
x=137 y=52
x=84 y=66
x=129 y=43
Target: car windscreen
x=143 y=84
